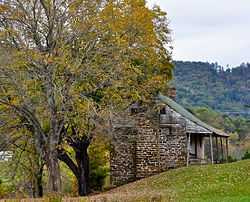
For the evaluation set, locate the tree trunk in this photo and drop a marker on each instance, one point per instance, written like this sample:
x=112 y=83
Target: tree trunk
x=82 y=160
x=81 y=169
x=54 y=172
x=54 y=135
x=38 y=183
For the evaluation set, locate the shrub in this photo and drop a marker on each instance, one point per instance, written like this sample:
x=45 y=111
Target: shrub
x=97 y=177
x=5 y=189
x=246 y=155
x=231 y=159
x=99 y=163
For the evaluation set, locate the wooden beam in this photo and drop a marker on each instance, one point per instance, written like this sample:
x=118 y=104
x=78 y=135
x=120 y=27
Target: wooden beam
x=188 y=147
x=217 y=151
x=222 y=152
x=227 y=149
x=211 y=149
x=196 y=149
x=202 y=147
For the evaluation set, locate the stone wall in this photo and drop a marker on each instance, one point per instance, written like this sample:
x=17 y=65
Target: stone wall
x=173 y=147
x=147 y=148
x=122 y=156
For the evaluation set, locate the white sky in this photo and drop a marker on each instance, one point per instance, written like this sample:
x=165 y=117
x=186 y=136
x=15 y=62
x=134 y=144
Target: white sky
x=209 y=30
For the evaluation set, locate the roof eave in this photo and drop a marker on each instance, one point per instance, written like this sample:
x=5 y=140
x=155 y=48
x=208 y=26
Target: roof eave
x=193 y=118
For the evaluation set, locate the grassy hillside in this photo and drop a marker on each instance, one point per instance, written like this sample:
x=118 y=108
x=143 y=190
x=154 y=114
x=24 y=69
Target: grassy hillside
x=227 y=182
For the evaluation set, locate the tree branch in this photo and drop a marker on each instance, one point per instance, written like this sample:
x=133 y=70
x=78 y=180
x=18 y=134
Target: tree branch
x=64 y=157
x=25 y=113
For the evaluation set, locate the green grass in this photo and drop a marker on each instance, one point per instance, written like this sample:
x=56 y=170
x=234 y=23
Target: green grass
x=225 y=182
x=211 y=183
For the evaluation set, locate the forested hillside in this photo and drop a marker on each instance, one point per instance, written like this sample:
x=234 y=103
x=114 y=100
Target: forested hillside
x=218 y=96
x=210 y=85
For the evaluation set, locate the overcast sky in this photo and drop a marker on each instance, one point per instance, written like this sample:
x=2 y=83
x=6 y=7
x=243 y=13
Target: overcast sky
x=209 y=30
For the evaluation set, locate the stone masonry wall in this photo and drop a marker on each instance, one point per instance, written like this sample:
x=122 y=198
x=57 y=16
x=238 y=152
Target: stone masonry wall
x=173 y=140
x=122 y=157
x=173 y=148
x=147 y=147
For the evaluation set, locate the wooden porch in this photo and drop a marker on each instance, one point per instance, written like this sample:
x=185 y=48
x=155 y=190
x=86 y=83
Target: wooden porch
x=206 y=148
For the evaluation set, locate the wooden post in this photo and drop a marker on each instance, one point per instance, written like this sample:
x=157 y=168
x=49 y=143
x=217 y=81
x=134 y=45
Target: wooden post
x=188 y=147
x=217 y=150
x=227 y=149
x=202 y=147
x=211 y=149
x=196 y=149
x=222 y=153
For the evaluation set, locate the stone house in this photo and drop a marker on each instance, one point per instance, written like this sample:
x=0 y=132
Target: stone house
x=151 y=139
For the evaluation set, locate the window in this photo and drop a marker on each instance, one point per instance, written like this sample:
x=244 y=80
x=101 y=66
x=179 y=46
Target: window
x=134 y=108
x=163 y=110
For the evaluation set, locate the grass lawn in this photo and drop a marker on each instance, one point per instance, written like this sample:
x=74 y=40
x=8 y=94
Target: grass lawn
x=215 y=183
x=227 y=182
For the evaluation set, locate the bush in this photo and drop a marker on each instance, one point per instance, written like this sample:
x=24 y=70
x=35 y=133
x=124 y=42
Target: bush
x=97 y=178
x=5 y=189
x=231 y=159
x=99 y=163
x=246 y=155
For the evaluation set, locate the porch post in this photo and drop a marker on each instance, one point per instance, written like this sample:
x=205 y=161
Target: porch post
x=217 y=150
x=188 y=147
x=227 y=149
x=211 y=149
x=202 y=148
x=222 y=152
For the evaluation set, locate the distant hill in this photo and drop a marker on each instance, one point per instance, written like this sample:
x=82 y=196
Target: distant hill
x=210 y=85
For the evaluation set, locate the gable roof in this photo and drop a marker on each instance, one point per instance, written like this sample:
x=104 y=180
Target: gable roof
x=186 y=114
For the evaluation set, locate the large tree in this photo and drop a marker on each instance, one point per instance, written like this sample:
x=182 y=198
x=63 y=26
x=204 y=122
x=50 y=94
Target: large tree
x=24 y=167
x=67 y=63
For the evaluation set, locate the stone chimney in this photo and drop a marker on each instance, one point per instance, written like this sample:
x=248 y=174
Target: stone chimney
x=172 y=93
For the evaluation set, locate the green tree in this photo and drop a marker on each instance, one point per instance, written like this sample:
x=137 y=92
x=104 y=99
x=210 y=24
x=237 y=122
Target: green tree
x=67 y=64
x=24 y=166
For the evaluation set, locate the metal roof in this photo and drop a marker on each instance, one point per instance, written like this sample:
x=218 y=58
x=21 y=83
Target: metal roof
x=186 y=114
